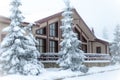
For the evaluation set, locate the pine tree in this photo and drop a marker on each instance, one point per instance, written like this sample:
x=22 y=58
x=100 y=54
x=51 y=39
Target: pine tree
x=72 y=57
x=115 y=46
x=32 y=58
x=16 y=53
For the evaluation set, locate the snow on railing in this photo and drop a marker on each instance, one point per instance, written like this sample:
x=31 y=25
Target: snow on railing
x=97 y=56
x=90 y=57
x=49 y=57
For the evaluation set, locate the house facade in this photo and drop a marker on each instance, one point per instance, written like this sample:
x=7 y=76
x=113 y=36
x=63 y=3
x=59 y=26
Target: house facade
x=48 y=33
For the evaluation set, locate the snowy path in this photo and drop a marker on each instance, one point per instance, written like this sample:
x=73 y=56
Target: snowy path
x=89 y=74
x=107 y=75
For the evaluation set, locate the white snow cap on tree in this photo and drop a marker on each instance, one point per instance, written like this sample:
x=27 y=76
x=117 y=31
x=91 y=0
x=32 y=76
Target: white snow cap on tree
x=72 y=57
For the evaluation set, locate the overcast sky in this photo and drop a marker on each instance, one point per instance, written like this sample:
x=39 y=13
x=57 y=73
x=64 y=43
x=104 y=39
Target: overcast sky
x=99 y=14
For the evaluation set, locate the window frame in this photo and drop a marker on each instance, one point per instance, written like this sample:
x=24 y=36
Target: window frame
x=84 y=48
x=41 y=46
x=53 y=29
x=98 y=49
x=53 y=46
x=41 y=31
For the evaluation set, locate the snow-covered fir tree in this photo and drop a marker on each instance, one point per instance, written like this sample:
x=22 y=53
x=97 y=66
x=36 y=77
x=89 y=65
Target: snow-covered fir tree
x=18 y=54
x=72 y=57
x=115 y=46
x=32 y=54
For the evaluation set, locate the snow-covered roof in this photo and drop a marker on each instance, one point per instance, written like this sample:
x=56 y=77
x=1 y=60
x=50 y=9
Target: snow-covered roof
x=48 y=18
x=74 y=10
x=102 y=41
x=4 y=19
x=7 y=20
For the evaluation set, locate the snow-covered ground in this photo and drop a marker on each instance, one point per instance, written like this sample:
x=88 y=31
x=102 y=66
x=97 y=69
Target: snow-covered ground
x=95 y=73
x=112 y=75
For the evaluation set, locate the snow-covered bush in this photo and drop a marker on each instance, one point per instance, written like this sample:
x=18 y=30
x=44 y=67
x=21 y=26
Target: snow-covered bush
x=33 y=68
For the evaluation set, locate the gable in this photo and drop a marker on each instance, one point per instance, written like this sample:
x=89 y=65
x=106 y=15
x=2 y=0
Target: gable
x=78 y=21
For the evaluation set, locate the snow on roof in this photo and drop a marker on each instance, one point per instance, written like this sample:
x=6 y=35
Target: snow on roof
x=105 y=40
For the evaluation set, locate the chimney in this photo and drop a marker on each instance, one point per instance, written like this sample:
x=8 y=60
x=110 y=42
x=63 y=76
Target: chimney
x=92 y=30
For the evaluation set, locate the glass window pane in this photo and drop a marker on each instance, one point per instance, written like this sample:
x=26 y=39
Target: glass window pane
x=53 y=46
x=41 y=31
x=41 y=46
x=98 y=49
x=54 y=29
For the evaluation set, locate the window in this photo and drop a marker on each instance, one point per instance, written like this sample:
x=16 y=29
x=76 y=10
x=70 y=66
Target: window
x=41 y=31
x=53 y=46
x=41 y=46
x=98 y=49
x=78 y=33
x=54 y=29
x=84 y=48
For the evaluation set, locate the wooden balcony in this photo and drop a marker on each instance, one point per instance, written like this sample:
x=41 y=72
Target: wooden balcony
x=89 y=57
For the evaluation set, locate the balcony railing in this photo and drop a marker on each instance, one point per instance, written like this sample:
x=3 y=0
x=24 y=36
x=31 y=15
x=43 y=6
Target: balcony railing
x=89 y=57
